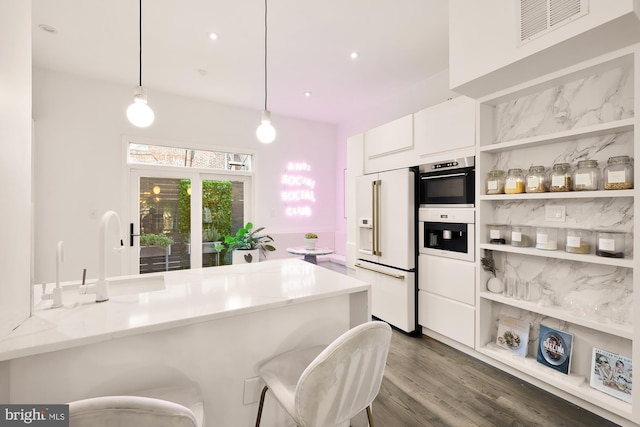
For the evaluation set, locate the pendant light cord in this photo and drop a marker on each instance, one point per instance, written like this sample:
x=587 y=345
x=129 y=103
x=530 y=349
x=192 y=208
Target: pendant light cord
x=140 y=45
x=265 y=55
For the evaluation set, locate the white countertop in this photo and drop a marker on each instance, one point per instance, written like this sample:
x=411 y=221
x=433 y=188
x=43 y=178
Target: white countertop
x=189 y=296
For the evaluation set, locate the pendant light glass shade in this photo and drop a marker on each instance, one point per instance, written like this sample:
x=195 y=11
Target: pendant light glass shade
x=139 y=113
x=266 y=133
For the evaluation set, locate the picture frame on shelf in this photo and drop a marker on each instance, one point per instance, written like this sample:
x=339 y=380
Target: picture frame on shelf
x=612 y=373
x=513 y=334
x=555 y=348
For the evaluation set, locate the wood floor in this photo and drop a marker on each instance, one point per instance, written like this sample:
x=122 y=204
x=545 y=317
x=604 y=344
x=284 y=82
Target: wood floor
x=428 y=383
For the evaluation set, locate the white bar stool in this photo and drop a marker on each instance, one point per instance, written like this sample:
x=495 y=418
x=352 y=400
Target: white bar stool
x=328 y=386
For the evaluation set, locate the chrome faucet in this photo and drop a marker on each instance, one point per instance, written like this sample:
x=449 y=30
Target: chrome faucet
x=101 y=288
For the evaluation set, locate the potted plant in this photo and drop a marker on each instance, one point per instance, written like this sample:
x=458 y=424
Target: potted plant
x=247 y=244
x=155 y=245
x=310 y=240
x=211 y=240
x=494 y=284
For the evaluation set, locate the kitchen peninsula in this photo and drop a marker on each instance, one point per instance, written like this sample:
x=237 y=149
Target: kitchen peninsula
x=212 y=326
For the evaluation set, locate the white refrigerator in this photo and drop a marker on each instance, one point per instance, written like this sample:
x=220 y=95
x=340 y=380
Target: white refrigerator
x=386 y=244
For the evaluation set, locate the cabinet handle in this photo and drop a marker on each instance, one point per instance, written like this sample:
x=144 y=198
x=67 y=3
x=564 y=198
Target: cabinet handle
x=394 y=275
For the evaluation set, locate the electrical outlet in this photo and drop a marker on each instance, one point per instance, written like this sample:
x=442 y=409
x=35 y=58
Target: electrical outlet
x=555 y=213
x=252 y=389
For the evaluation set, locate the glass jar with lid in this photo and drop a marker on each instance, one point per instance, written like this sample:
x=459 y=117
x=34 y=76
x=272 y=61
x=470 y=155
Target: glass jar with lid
x=610 y=244
x=560 y=177
x=587 y=176
x=547 y=238
x=497 y=234
x=522 y=236
x=578 y=241
x=495 y=182
x=514 y=182
x=618 y=174
x=536 y=180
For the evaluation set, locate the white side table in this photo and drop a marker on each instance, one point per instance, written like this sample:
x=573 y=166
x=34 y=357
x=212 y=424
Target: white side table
x=309 y=254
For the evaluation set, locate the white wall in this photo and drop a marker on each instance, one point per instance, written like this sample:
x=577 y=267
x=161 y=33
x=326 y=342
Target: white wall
x=485 y=56
x=15 y=163
x=78 y=161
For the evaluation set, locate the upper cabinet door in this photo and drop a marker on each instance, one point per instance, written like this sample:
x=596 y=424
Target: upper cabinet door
x=389 y=138
x=444 y=127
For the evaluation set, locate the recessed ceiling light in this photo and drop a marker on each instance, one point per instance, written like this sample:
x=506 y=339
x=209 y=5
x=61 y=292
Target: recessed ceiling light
x=213 y=36
x=48 y=29
x=307 y=93
x=355 y=55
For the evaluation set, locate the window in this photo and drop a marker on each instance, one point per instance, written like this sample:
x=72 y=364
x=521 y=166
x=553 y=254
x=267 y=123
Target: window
x=183 y=203
x=158 y=155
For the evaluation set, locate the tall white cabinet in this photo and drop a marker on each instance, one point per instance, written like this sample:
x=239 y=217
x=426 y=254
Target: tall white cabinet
x=587 y=111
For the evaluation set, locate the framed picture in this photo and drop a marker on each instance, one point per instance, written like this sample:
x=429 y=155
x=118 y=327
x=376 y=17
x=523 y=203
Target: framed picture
x=554 y=349
x=513 y=334
x=612 y=373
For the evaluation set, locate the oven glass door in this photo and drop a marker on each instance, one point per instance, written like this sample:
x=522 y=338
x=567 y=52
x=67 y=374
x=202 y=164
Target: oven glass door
x=454 y=187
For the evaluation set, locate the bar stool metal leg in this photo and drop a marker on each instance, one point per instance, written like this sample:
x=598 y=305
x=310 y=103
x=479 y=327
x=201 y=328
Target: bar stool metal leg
x=264 y=391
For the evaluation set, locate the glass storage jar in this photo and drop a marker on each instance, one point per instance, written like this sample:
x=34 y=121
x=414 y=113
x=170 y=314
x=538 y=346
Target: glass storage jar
x=560 y=177
x=578 y=241
x=536 y=180
x=610 y=244
x=522 y=236
x=587 y=176
x=514 y=182
x=495 y=182
x=618 y=174
x=497 y=233
x=547 y=238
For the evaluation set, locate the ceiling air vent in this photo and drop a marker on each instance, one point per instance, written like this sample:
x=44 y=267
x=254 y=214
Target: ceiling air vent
x=538 y=17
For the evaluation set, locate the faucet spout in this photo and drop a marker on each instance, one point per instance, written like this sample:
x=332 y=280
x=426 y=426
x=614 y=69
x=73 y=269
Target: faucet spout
x=102 y=286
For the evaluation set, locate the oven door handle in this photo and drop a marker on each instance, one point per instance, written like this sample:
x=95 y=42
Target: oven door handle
x=444 y=176
x=394 y=275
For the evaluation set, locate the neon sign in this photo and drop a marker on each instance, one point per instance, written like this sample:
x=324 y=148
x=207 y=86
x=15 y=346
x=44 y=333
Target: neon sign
x=297 y=189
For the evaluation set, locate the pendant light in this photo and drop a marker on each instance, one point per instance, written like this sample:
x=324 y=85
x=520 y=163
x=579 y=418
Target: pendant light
x=139 y=113
x=265 y=132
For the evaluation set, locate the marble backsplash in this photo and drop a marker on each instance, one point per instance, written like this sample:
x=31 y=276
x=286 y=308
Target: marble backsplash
x=599 y=98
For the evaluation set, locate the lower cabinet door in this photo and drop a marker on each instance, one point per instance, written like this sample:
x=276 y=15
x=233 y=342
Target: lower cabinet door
x=447 y=317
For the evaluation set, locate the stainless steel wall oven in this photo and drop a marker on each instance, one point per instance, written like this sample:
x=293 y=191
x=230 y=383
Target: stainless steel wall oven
x=448 y=184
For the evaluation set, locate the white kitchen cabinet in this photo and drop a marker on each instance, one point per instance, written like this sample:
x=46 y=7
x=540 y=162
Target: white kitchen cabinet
x=447 y=317
x=449 y=278
x=386 y=140
x=355 y=168
x=590 y=296
x=445 y=127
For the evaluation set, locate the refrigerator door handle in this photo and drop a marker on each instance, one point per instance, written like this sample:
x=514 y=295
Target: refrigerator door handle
x=376 y=217
x=394 y=275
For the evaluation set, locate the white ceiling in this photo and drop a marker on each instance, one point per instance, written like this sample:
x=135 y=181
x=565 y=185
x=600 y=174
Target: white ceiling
x=401 y=42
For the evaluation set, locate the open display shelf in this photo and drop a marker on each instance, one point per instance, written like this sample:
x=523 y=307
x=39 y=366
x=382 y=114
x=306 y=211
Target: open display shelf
x=500 y=118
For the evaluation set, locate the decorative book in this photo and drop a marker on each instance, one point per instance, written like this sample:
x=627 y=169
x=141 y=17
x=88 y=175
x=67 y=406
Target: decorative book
x=513 y=334
x=611 y=373
x=554 y=349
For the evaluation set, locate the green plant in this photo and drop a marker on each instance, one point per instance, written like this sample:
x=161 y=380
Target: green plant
x=160 y=240
x=311 y=236
x=248 y=238
x=211 y=235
